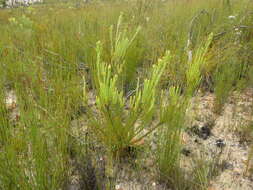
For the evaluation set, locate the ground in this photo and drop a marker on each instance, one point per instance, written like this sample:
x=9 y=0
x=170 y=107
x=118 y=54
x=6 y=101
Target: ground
x=223 y=137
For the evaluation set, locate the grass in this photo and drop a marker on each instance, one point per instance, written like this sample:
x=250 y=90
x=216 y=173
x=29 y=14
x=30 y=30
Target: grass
x=55 y=55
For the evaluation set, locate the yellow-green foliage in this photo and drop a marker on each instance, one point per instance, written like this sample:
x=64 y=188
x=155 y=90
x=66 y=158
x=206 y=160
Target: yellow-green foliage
x=193 y=73
x=117 y=127
x=169 y=147
x=47 y=49
x=120 y=45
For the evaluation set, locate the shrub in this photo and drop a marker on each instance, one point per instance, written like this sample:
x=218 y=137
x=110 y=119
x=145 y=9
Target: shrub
x=117 y=127
x=169 y=145
x=193 y=73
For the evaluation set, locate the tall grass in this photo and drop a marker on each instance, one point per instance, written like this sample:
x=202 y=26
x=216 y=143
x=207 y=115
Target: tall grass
x=47 y=50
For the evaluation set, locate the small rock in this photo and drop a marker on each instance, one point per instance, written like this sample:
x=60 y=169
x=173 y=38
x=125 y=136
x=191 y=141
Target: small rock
x=186 y=152
x=226 y=165
x=220 y=143
x=205 y=132
x=196 y=141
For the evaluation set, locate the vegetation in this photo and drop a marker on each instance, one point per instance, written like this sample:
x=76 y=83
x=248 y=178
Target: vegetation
x=130 y=70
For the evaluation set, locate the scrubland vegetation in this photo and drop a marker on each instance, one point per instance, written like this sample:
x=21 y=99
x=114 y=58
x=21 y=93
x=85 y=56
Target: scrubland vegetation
x=87 y=88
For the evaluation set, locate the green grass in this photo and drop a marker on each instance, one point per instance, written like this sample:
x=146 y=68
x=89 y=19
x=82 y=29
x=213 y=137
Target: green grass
x=54 y=55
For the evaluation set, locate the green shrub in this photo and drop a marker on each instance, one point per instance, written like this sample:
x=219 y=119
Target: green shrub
x=116 y=127
x=169 y=145
x=226 y=77
x=193 y=73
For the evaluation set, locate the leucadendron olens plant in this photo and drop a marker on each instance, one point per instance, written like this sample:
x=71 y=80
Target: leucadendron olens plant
x=120 y=44
x=193 y=73
x=172 y=117
x=172 y=112
x=123 y=121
